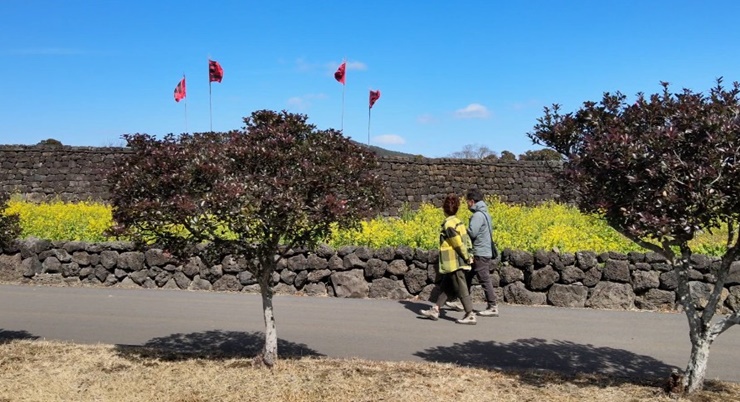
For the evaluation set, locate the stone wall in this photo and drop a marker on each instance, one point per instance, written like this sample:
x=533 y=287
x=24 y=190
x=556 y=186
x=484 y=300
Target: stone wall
x=43 y=172
x=414 y=181
x=583 y=279
x=78 y=173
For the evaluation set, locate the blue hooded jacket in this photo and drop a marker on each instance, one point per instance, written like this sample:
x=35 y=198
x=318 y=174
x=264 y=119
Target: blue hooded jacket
x=480 y=231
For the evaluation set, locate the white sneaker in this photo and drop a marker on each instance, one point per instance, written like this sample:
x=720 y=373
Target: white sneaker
x=455 y=305
x=491 y=311
x=469 y=319
x=431 y=314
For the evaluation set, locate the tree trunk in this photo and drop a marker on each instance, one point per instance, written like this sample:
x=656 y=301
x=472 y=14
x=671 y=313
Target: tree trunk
x=697 y=368
x=270 y=350
x=701 y=330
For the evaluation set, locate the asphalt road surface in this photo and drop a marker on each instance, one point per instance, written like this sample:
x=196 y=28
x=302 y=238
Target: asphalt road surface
x=621 y=343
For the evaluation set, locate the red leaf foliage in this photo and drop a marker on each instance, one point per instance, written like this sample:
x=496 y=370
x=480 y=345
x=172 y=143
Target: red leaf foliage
x=662 y=167
x=277 y=181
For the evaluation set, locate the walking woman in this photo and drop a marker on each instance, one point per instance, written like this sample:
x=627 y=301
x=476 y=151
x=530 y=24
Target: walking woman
x=454 y=259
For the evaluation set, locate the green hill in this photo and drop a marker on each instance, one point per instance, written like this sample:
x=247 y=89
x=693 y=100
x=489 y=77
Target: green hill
x=386 y=152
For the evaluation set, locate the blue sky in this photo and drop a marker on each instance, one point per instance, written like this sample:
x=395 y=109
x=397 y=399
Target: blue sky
x=451 y=73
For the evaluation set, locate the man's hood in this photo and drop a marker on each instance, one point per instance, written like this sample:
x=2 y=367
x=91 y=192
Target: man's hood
x=479 y=206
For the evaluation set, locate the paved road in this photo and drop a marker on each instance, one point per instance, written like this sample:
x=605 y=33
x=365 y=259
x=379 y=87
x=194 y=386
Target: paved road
x=616 y=342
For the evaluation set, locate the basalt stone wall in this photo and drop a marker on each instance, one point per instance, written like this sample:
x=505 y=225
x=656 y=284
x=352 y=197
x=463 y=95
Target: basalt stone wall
x=43 y=172
x=583 y=279
x=78 y=173
x=414 y=181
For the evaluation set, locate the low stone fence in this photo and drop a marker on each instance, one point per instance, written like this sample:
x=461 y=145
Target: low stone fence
x=582 y=279
x=43 y=172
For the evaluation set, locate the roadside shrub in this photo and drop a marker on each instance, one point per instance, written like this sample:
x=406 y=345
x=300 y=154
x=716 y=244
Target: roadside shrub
x=419 y=228
x=552 y=225
x=528 y=228
x=59 y=220
x=9 y=223
x=714 y=243
x=50 y=142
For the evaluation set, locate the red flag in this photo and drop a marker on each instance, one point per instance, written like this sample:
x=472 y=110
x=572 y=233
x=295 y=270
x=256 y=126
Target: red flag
x=215 y=72
x=180 y=90
x=340 y=74
x=374 y=96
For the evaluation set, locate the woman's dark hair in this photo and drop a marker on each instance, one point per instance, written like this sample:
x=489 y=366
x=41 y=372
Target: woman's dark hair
x=451 y=204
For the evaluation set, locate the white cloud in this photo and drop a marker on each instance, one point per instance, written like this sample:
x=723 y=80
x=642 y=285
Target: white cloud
x=389 y=139
x=525 y=105
x=297 y=102
x=351 y=65
x=356 y=65
x=304 y=102
x=473 y=111
x=426 y=119
x=305 y=65
x=48 y=51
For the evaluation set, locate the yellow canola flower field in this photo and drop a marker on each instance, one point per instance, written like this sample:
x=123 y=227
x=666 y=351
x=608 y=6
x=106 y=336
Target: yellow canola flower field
x=552 y=225
x=547 y=226
x=59 y=220
x=528 y=228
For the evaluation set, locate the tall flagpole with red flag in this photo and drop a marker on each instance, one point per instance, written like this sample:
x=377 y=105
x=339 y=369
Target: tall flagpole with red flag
x=215 y=73
x=341 y=76
x=180 y=94
x=374 y=96
x=210 y=101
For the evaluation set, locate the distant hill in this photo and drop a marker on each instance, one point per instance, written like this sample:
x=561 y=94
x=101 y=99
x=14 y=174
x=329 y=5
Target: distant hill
x=378 y=150
x=385 y=152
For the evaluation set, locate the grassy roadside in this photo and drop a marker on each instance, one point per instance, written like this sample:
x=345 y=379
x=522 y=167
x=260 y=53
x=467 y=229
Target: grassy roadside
x=32 y=370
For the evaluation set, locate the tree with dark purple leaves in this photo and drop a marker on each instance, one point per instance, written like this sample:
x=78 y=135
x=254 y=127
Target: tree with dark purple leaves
x=660 y=169
x=258 y=192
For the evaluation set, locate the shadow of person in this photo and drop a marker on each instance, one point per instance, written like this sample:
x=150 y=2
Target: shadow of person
x=538 y=355
x=416 y=307
x=216 y=345
x=7 y=336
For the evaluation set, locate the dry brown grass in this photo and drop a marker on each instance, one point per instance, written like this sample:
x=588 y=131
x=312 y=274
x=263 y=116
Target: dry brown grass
x=54 y=371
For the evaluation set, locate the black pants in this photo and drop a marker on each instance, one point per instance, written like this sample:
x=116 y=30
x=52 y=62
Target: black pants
x=482 y=269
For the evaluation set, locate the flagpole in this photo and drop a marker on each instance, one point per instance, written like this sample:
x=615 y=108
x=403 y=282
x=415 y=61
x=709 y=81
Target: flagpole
x=372 y=97
x=210 y=104
x=344 y=87
x=369 y=109
x=186 y=109
x=343 y=108
x=186 y=116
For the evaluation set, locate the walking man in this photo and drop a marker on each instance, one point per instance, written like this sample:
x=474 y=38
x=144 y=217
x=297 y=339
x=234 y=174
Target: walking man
x=480 y=230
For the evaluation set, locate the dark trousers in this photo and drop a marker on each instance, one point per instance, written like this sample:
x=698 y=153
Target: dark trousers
x=455 y=285
x=482 y=269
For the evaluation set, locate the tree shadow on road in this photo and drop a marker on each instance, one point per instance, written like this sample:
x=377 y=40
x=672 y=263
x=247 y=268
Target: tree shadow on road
x=537 y=359
x=215 y=345
x=7 y=336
